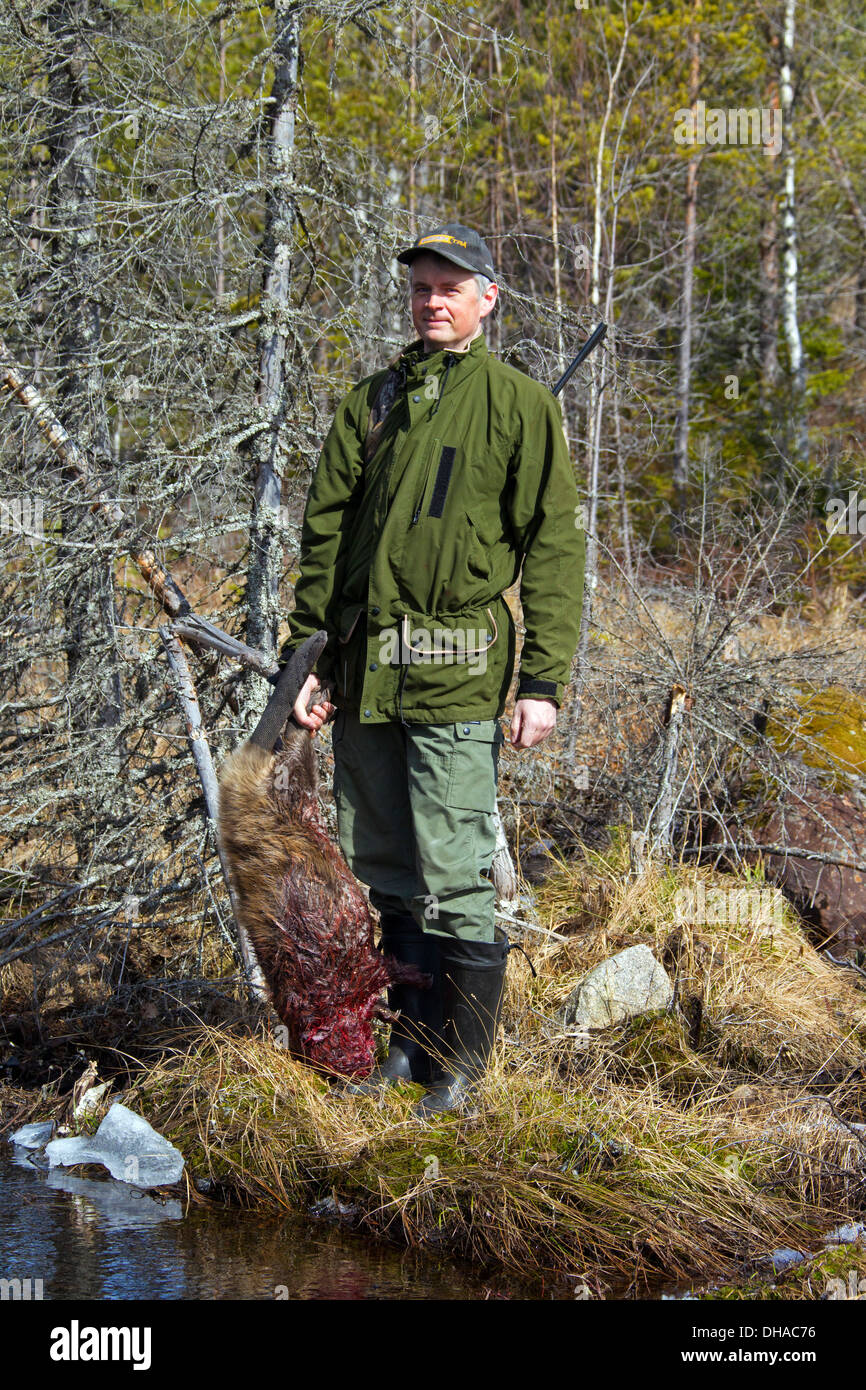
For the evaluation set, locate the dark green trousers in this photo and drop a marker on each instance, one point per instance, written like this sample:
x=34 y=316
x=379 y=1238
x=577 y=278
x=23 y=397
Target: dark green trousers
x=415 y=807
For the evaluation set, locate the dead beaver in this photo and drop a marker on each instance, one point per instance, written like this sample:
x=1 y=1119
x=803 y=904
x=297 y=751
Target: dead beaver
x=307 y=919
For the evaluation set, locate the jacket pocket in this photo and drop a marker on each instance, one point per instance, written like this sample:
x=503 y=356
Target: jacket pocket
x=351 y=637
x=431 y=453
x=348 y=621
x=477 y=554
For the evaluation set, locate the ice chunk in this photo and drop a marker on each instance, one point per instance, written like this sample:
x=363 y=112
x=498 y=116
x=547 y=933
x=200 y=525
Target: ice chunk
x=34 y=1136
x=846 y=1235
x=127 y=1146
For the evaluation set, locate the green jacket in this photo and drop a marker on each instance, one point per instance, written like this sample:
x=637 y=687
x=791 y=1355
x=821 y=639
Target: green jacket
x=404 y=558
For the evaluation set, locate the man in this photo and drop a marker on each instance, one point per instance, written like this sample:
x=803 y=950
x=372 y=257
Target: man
x=439 y=476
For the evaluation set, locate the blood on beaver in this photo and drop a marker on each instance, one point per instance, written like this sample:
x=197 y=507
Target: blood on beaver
x=305 y=915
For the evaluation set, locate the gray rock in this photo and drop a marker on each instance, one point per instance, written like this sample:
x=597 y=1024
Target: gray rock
x=622 y=987
x=34 y=1136
x=127 y=1146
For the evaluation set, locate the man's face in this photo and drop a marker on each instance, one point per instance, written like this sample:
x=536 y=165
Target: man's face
x=446 y=306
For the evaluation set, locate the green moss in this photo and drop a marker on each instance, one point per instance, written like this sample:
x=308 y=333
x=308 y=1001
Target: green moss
x=750 y=1292
x=838 y=1273
x=828 y=732
x=654 y=1047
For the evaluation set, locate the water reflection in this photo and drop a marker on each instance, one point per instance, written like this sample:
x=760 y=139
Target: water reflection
x=91 y=1239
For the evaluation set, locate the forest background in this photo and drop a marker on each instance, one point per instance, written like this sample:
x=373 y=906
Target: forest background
x=201 y=205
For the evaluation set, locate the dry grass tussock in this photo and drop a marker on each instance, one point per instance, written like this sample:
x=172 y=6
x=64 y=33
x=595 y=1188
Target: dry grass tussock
x=654 y=1151
x=771 y=1004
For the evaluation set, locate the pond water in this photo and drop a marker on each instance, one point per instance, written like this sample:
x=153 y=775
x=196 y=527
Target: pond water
x=90 y=1239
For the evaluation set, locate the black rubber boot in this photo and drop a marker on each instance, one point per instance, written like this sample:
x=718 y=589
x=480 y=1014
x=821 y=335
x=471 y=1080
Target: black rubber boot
x=416 y=1037
x=473 y=983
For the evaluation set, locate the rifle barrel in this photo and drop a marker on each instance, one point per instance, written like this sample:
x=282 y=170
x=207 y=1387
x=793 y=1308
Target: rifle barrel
x=591 y=342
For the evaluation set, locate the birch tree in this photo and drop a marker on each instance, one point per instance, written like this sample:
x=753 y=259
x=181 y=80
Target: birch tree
x=796 y=365
x=681 y=441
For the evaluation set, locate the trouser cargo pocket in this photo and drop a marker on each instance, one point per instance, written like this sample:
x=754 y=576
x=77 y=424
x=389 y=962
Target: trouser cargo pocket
x=474 y=764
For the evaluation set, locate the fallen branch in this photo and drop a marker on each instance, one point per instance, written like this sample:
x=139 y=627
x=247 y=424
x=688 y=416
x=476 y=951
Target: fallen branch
x=790 y=852
x=8 y=956
x=846 y=964
x=199 y=631
x=40 y=915
x=188 y=701
x=528 y=926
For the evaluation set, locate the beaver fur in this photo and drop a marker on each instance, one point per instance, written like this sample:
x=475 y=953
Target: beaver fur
x=307 y=919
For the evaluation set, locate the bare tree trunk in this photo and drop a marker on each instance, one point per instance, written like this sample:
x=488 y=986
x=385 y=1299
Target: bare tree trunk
x=625 y=523
x=662 y=815
x=681 y=441
x=497 y=220
x=37 y=243
x=554 y=236
x=265 y=541
x=384 y=309
x=796 y=366
x=557 y=271
x=220 y=211
x=769 y=329
x=512 y=163
x=413 y=113
x=365 y=289
x=768 y=249
x=93 y=671
x=594 y=412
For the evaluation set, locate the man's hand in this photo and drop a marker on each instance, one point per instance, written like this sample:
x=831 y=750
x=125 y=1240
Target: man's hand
x=318 y=714
x=532 y=721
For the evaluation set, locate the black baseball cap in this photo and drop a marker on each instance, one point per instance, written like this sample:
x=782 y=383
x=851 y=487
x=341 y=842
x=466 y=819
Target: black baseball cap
x=454 y=243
